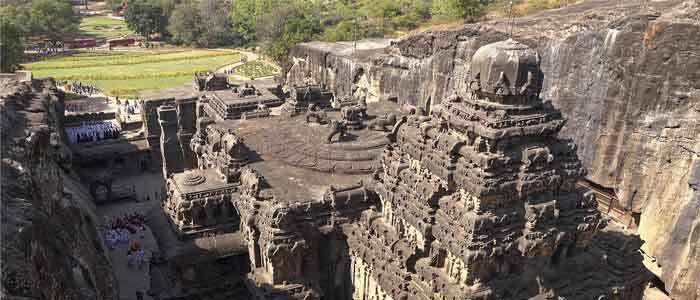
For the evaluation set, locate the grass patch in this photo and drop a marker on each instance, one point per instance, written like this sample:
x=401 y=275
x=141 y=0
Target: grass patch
x=130 y=88
x=256 y=69
x=104 y=27
x=118 y=60
x=128 y=73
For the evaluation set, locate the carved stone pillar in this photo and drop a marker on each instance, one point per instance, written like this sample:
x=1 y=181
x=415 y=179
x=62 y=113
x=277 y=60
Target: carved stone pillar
x=151 y=126
x=169 y=145
x=187 y=126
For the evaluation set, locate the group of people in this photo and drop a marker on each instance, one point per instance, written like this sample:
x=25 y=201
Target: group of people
x=128 y=108
x=136 y=256
x=46 y=49
x=80 y=88
x=92 y=131
x=131 y=222
x=119 y=231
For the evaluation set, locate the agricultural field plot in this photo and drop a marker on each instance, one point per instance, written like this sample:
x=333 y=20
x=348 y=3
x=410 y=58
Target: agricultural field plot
x=126 y=74
x=256 y=69
x=104 y=27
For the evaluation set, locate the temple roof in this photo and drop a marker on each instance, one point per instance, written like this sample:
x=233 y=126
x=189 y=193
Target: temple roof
x=505 y=68
x=197 y=181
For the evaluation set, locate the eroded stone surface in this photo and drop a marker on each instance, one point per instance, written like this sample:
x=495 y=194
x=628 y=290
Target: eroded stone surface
x=51 y=244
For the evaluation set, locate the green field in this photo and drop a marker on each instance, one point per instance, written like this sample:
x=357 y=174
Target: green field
x=104 y=27
x=256 y=69
x=127 y=73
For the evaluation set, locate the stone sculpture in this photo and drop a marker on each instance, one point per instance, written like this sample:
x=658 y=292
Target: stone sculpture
x=301 y=96
x=261 y=111
x=209 y=81
x=337 y=128
x=382 y=123
x=315 y=114
x=355 y=115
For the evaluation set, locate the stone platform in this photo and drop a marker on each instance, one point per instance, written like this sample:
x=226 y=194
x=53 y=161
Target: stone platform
x=296 y=161
x=304 y=147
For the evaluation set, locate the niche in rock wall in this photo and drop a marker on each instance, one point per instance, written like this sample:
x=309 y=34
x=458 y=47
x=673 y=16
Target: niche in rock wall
x=428 y=105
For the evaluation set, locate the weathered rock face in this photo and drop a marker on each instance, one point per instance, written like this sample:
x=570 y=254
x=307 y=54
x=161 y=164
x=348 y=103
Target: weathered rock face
x=51 y=243
x=626 y=78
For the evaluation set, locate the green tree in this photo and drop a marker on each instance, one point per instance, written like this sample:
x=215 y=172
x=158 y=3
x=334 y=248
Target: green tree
x=216 y=27
x=11 y=48
x=295 y=30
x=245 y=15
x=413 y=14
x=183 y=24
x=285 y=26
x=54 y=19
x=18 y=15
x=146 y=17
x=204 y=23
x=457 y=9
x=346 y=30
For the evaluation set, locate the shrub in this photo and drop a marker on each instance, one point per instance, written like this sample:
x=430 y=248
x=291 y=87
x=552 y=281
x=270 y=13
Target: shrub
x=256 y=69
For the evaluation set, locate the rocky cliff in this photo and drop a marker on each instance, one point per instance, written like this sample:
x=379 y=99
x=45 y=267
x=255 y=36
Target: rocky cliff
x=627 y=77
x=51 y=245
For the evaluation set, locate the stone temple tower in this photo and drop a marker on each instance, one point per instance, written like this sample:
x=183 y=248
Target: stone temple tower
x=479 y=199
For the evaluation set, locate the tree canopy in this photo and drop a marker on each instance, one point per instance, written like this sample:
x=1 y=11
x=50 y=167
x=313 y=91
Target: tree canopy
x=53 y=18
x=457 y=9
x=285 y=26
x=204 y=23
x=184 y=23
x=273 y=25
x=147 y=17
x=10 y=46
x=276 y=25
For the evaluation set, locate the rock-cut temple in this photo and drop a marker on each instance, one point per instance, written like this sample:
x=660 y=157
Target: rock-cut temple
x=472 y=198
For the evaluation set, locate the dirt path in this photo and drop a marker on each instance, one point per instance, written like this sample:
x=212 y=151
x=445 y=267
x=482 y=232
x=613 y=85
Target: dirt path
x=112 y=16
x=250 y=56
